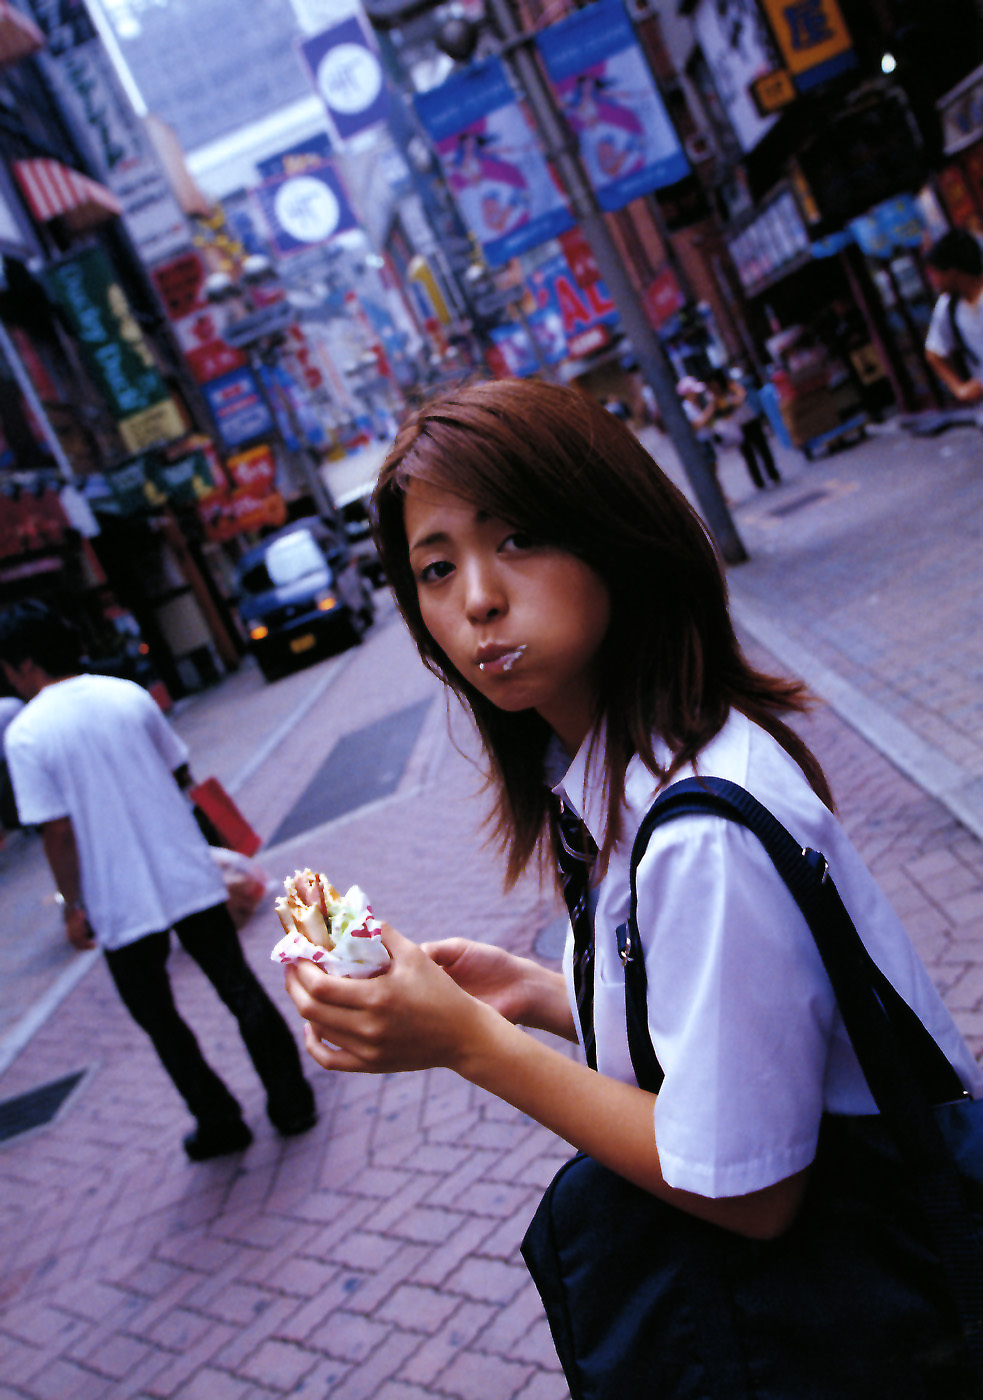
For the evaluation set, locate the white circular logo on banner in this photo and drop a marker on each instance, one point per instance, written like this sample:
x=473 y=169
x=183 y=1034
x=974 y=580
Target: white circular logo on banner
x=307 y=209
x=350 y=78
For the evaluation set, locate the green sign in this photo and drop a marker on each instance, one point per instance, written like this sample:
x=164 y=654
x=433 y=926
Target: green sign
x=112 y=343
x=184 y=482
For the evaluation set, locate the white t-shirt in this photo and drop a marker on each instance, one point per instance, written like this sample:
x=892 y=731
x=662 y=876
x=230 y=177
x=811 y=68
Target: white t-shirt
x=98 y=750
x=741 y=1013
x=969 y=319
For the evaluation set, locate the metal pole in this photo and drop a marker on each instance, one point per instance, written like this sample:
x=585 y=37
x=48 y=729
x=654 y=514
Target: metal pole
x=560 y=146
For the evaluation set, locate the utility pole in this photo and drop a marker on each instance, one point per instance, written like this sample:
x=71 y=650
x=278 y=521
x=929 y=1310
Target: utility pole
x=559 y=144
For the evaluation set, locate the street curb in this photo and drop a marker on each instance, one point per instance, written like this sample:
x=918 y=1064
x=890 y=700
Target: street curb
x=925 y=765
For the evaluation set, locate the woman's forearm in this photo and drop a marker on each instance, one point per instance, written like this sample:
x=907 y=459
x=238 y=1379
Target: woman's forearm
x=612 y=1122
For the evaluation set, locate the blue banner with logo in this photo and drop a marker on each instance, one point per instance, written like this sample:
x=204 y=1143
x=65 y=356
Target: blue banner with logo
x=602 y=80
x=238 y=407
x=491 y=160
x=302 y=197
x=344 y=67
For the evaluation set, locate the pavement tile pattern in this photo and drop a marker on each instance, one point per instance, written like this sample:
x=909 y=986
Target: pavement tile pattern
x=376 y=1257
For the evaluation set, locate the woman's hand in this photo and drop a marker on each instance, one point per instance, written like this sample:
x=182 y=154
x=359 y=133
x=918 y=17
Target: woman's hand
x=519 y=989
x=414 y=1016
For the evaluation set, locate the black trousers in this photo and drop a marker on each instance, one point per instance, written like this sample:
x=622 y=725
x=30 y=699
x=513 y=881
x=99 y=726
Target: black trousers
x=140 y=973
x=754 y=445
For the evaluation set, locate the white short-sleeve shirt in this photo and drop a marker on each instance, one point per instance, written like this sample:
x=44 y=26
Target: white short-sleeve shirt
x=741 y=1013
x=969 y=319
x=98 y=750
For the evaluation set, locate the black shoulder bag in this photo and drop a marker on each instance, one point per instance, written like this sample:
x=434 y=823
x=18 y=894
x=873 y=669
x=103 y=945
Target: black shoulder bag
x=876 y=1290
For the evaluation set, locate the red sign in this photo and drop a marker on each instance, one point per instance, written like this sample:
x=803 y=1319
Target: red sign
x=197 y=324
x=663 y=298
x=581 y=306
x=580 y=257
x=229 y=514
x=588 y=341
x=30 y=522
x=254 y=469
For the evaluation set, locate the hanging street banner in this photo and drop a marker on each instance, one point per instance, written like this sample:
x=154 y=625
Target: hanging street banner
x=113 y=136
x=503 y=187
x=114 y=348
x=344 y=67
x=813 y=38
x=603 y=83
x=302 y=198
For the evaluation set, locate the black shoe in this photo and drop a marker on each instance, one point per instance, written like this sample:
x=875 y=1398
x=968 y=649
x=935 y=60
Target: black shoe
x=299 y=1123
x=217 y=1140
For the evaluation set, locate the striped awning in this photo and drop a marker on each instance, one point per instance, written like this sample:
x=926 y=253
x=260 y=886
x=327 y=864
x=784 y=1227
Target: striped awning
x=19 y=35
x=55 y=191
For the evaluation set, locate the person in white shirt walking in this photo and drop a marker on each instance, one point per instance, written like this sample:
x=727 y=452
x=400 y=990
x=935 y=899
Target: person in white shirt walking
x=954 y=344
x=96 y=766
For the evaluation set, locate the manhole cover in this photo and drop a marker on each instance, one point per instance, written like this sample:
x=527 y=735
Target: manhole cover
x=363 y=766
x=35 y=1108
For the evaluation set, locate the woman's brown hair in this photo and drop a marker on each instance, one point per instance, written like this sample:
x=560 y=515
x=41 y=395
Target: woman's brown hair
x=555 y=463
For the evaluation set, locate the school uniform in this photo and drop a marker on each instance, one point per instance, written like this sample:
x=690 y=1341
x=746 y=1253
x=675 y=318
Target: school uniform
x=740 y=1011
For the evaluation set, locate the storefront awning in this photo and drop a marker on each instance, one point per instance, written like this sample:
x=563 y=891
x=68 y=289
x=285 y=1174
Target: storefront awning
x=53 y=191
x=19 y=35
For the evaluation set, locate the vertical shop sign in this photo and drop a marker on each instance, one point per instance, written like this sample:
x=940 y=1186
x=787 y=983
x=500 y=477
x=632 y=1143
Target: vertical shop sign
x=122 y=155
x=238 y=407
x=114 y=348
x=302 y=197
x=813 y=38
x=737 y=48
x=603 y=83
x=197 y=323
x=344 y=67
x=504 y=189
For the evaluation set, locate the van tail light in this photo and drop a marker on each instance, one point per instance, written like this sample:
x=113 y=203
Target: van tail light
x=257 y=633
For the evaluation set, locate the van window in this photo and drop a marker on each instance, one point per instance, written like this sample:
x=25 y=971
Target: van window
x=294 y=557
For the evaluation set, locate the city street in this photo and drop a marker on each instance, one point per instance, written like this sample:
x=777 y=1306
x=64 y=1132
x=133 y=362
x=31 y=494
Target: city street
x=376 y=1258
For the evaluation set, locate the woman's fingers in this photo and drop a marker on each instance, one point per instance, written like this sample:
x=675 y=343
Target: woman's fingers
x=412 y=1016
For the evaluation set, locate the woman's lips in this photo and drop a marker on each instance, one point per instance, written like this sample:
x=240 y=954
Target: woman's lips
x=498 y=661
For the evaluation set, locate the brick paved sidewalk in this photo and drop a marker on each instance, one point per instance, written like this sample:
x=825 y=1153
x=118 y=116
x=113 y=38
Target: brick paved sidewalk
x=376 y=1257
x=866 y=579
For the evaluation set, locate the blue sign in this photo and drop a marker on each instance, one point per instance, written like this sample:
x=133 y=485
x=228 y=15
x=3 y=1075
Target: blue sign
x=499 y=177
x=628 y=145
x=302 y=197
x=238 y=407
x=347 y=76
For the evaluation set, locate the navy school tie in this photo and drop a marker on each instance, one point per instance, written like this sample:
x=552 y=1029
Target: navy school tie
x=576 y=853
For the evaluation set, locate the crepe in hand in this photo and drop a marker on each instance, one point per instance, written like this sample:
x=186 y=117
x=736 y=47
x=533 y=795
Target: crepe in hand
x=335 y=931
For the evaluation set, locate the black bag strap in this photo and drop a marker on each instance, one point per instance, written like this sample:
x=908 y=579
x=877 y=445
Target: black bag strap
x=963 y=357
x=904 y=1067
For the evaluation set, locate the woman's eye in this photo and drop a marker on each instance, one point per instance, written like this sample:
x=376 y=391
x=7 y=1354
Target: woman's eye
x=438 y=569
x=519 y=539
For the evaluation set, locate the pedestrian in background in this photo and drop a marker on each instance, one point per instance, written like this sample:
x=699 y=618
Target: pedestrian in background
x=954 y=343
x=700 y=409
x=568 y=594
x=751 y=419
x=96 y=766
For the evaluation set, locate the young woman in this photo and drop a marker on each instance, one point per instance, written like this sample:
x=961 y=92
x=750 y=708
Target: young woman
x=563 y=588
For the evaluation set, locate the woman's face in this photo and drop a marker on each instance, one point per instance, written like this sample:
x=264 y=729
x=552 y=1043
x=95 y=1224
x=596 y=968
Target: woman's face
x=521 y=620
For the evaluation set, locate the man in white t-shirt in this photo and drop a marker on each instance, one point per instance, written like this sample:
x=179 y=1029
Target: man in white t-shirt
x=96 y=766
x=954 y=344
